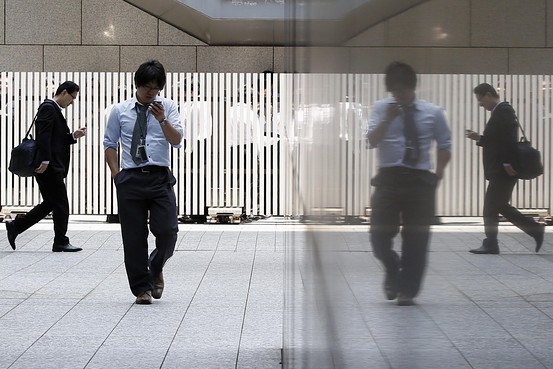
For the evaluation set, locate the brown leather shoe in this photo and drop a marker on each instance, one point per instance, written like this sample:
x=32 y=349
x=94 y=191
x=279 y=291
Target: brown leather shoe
x=158 y=286
x=145 y=298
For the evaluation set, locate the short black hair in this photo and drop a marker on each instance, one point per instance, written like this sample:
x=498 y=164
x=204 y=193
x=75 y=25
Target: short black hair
x=400 y=75
x=69 y=86
x=151 y=70
x=483 y=88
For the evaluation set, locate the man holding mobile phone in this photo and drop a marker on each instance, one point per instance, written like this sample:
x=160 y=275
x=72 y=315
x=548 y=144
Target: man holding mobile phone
x=144 y=128
x=404 y=129
x=54 y=147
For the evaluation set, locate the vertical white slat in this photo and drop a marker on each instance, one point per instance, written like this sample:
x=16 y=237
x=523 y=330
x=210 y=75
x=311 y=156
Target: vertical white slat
x=301 y=123
x=355 y=138
x=531 y=95
x=105 y=101
x=236 y=138
x=194 y=141
x=204 y=136
x=252 y=148
x=547 y=152
x=10 y=119
x=249 y=140
x=213 y=143
x=245 y=137
x=526 y=85
x=466 y=122
x=274 y=138
x=5 y=149
x=106 y=88
x=191 y=91
x=364 y=161
x=286 y=139
x=336 y=141
x=16 y=132
x=26 y=184
x=113 y=86
x=230 y=135
x=264 y=152
x=222 y=123
x=448 y=199
x=179 y=158
x=512 y=95
x=88 y=161
x=358 y=143
x=289 y=119
x=281 y=136
x=210 y=101
x=545 y=146
x=539 y=133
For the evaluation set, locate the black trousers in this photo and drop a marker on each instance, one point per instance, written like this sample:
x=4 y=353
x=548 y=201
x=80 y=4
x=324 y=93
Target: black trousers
x=142 y=196
x=496 y=201
x=403 y=198
x=54 y=194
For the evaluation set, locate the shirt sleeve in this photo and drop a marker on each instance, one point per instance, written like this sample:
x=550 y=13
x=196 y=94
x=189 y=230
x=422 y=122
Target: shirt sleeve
x=442 y=134
x=173 y=117
x=113 y=130
x=374 y=119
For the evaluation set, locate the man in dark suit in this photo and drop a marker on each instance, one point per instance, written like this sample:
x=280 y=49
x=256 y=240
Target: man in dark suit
x=54 y=139
x=498 y=142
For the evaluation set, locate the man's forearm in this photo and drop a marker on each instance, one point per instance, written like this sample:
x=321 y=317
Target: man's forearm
x=443 y=158
x=111 y=160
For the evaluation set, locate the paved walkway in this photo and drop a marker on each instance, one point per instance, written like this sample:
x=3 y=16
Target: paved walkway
x=225 y=291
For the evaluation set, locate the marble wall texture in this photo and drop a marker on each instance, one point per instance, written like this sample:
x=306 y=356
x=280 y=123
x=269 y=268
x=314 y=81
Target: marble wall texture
x=439 y=36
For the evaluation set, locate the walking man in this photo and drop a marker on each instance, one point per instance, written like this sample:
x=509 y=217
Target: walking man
x=403 y=129
x=144 y=128
x=54 y=140
x=498 y=142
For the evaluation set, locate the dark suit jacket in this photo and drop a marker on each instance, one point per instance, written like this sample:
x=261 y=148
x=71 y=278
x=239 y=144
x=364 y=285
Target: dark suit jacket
x=53 y=137
x=499 y=141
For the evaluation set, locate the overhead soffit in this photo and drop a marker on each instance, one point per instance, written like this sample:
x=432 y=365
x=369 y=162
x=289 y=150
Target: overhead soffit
x=274 y=22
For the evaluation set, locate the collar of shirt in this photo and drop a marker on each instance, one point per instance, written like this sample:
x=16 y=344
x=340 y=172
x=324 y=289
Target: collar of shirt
x=55 y=102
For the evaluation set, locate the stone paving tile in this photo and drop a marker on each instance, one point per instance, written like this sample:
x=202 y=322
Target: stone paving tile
x=237 y=294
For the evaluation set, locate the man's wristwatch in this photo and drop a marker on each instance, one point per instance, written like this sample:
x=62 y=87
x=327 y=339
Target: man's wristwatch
x=163 y=122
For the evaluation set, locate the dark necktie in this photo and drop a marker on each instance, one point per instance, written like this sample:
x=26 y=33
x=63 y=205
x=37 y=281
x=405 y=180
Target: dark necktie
x=411 y=156
x=139 y=133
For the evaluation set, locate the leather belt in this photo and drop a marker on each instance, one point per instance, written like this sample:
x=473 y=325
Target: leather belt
x=149 y=169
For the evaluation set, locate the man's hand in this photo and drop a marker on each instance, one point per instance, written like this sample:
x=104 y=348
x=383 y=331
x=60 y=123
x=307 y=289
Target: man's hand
x=79 y=133
x=157 y=110
x=510 y=170
x=472 y=135
x=392 y=112
x=41 y=168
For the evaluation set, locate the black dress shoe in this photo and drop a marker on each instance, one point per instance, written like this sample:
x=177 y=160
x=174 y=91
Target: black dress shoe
x=486 y=250
x=12 y=234
x=66 y=248
x=538 y=236
x=390 y=285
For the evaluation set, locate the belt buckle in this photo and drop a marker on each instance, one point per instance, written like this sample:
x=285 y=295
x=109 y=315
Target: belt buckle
x=145 y=170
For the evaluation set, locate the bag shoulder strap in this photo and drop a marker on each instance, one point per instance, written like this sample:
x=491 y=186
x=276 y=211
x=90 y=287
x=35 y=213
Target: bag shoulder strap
x=36 y=115
x=523 y=138
x=521 y=130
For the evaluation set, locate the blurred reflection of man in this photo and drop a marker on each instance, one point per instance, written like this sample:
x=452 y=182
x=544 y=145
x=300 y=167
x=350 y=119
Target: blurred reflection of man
x=404 y=128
